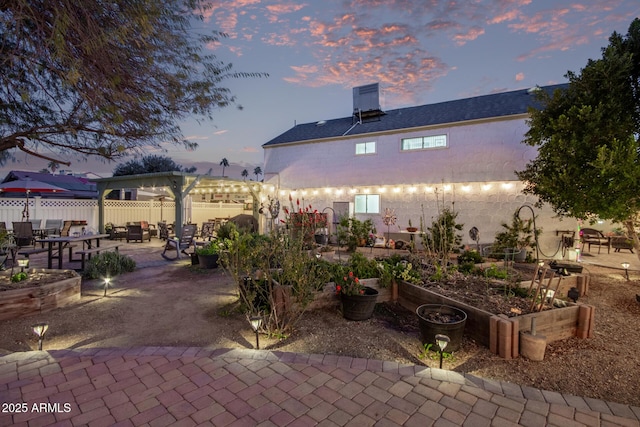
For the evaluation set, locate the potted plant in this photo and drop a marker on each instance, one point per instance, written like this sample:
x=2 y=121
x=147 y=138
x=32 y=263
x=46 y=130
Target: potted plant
x=209 y=254
x=411 y=228
x=358 y=301
x=515 y=239
x=353 y=233
x=439 y=319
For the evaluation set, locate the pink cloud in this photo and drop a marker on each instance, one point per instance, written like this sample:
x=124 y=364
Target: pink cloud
x=279 y=9
x=470 y=35
x=519 y=77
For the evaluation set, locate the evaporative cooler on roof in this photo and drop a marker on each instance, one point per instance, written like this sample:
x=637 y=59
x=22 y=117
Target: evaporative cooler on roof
x=366 y=101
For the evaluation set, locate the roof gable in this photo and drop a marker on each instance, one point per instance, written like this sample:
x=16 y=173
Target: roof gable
x=481 y=107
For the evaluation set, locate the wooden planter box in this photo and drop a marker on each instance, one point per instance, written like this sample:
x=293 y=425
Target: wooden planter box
x=501 y=333
x=39 y=299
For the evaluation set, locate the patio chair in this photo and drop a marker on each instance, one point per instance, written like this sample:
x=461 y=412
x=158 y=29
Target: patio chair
x=23 y=234
x=590 y=236
x=149 y=228
x=52 y=227
x=136 y=232
x=180 y=245
x=164 y=230
x=207 y=231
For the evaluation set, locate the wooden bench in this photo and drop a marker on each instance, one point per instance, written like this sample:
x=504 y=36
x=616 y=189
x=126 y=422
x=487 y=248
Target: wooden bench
x=86 y=253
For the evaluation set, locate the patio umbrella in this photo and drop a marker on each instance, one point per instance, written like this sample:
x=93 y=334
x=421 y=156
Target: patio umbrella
x=28 y=186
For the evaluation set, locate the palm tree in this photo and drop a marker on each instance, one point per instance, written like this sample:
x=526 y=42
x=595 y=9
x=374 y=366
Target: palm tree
x=224 y=163
x=53 y=166
x=257 y=171
x=245 y=174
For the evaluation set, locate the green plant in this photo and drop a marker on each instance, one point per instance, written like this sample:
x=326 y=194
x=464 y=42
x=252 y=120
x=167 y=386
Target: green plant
x=351 y=232
x=211 y=248
x=495 y=272
x=227 y=230
x=108 y=264
x=19 y=277
x=518 y=235
x=282 y=275
x=429 y=351
x=471 y=256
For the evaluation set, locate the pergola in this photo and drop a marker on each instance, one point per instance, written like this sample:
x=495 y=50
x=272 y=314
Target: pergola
x=179 y=184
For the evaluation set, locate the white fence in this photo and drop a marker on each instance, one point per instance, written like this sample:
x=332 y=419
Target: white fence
x=118 y=212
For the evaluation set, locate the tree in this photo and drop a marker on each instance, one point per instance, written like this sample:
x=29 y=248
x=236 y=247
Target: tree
x=104 y=78
x=53 y=166
x=588 y=163
x=224 y=163
x=150 y=164
x=257 y=172
x=245 y=174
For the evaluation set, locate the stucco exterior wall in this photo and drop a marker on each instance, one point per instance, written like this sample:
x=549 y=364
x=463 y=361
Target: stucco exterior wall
x=482 y=151
x=474 y=176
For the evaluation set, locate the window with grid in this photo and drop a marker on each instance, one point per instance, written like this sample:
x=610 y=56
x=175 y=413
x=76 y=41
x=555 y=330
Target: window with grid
x=424 y=142
x=367 y=203
x=365 y=148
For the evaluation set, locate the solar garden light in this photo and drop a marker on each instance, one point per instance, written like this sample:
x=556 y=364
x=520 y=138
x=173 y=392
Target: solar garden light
x=106 y=285
x=23 y=263
x=256 y=322
x=40 y=329
x=625 y=265
x=442 y=341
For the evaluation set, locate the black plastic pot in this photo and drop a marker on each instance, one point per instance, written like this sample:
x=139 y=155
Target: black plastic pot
x=441 y=319
x=208 y=261
x=359 y=307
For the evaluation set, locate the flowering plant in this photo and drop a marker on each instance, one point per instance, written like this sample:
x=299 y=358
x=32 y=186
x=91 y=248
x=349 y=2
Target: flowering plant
x=350 y=285
x=304 y=221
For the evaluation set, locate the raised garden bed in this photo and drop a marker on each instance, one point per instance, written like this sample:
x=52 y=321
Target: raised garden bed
x=500 y=332
x=52 y=289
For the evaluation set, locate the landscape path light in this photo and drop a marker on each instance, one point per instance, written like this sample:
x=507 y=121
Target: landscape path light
x=625 y=265
x=40 y=329
x=256 y=323
x=442 y=341
x=106 y=285
x=23 y=263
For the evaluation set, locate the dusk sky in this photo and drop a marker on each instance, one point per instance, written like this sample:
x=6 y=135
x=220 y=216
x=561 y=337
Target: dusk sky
x=420 y=52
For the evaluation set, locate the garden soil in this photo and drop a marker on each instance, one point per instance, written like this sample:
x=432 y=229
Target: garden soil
x=182 y=305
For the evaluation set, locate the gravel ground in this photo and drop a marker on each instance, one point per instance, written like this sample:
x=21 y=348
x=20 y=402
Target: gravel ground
x=185 y=306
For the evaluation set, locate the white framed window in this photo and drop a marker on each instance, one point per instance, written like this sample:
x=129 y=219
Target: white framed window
x=424 y=142
x=365 y=148
x=367 y=203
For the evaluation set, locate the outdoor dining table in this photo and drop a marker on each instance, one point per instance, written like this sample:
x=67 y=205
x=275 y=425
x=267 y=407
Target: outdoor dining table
x=60 y=243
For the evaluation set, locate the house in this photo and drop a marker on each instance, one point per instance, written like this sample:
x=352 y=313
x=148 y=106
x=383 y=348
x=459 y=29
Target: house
x=76 y=187
x=460 y=154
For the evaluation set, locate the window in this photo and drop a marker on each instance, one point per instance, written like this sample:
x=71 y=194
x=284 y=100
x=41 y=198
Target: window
x=365 y=148
x=367 y=203
x=424 y=142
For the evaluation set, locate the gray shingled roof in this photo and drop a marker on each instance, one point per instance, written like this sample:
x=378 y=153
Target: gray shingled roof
x=479 y=107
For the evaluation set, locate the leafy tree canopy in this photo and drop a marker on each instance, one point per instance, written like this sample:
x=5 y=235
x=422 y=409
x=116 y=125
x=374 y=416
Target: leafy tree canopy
x=588 y=163
x=150 y=164
x=104 y=78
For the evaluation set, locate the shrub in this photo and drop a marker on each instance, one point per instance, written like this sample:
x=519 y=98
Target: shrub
x=108 y=264
x=211 y=248
x=467 y=256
